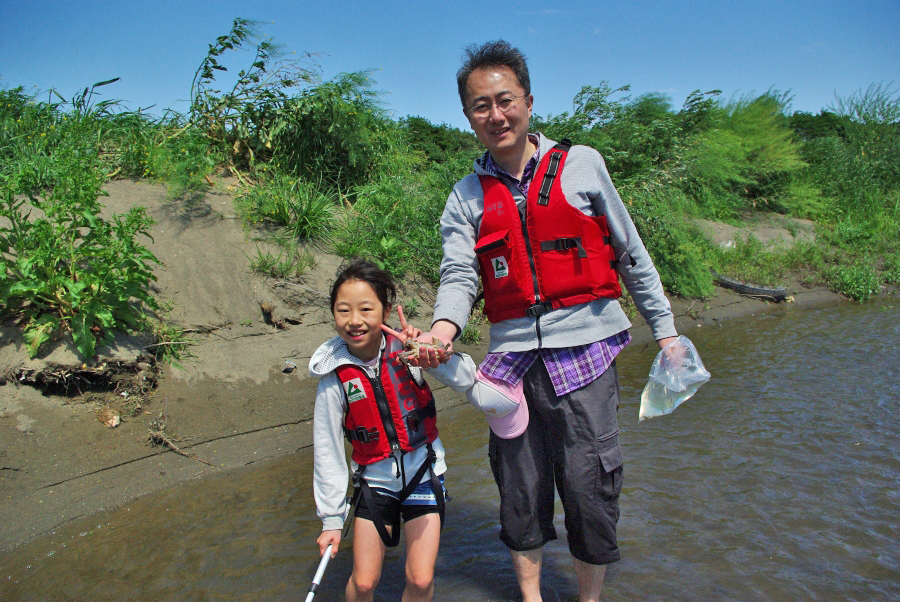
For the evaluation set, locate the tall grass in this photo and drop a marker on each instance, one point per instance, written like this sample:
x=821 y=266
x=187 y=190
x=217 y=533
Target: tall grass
x=301 y=209
x=328 y=167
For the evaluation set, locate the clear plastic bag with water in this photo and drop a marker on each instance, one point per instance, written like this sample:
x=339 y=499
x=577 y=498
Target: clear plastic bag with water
x=676 y=374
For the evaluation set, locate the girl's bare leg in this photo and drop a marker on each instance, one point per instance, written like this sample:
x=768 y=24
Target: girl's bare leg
x=423 y=537
x=368 y=557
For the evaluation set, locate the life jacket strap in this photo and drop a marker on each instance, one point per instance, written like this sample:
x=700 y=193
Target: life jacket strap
x=564 y=244
x=417 y=416
x=552 y=170
x=390 y=539
x=361 y=434
x=362 y=489
x=538 y=309
x=354 y=500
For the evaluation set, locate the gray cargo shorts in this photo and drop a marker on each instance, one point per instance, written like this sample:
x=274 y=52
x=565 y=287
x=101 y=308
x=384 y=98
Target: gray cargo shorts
x=572 y=442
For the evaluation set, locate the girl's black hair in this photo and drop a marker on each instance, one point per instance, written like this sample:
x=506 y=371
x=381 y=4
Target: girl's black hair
x=366 y=271
x=498 y=53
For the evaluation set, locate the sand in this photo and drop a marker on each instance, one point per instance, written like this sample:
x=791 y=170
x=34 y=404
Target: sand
x=236 y=400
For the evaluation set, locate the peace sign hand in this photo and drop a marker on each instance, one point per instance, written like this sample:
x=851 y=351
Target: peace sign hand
x=407 y=331
x=429 y=356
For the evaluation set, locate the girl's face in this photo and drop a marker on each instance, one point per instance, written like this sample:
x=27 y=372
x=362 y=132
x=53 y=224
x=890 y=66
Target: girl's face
x=358 y=316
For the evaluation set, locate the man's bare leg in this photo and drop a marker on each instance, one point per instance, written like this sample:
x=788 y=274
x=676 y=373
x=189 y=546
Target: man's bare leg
x=590 y=580
x=528 y=571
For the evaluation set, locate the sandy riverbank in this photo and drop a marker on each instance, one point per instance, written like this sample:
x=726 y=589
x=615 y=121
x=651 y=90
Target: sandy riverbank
x=232 y=403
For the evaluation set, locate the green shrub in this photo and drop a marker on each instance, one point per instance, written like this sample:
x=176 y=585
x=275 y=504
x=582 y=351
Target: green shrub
x=181 y=161
x=66 y=268
x=857 y=280
x=396 y=223
x=241 y=123
x=676 y=247
x=891 y=269
x=438 y=143
x=746 y=157
x=336 y=132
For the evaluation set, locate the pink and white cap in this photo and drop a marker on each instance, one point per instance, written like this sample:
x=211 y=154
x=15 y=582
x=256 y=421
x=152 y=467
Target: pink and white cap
x=503 y=405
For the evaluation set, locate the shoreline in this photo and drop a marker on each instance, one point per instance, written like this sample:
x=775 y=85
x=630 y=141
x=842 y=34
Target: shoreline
x=234 y=401
x=98 y=483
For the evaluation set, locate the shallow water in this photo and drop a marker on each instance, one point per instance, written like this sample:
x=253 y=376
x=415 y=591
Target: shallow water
x=778 y=480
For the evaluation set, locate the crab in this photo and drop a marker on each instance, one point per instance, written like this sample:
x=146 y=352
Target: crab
x=411 y=349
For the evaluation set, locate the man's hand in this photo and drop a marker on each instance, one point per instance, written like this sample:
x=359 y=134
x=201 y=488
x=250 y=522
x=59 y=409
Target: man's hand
x=675 y=353
x=442 y=331
x=663 y=342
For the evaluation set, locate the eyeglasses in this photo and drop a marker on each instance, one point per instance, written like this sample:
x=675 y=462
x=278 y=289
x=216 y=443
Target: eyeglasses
x=483 y=109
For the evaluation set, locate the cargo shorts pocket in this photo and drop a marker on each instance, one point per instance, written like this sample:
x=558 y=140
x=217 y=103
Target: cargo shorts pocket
x=609 y=477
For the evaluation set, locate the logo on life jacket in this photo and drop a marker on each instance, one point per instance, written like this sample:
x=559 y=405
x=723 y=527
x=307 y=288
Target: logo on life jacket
x=354 y=390
x=501 y=268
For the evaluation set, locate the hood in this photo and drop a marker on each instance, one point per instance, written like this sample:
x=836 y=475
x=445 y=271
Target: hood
x=331 y=354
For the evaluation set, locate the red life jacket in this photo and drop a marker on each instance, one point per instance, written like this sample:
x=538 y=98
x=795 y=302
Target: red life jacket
x=556 y=256
x=386 y=414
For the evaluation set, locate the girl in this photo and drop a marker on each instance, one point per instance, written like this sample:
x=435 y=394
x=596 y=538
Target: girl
x=386 y=410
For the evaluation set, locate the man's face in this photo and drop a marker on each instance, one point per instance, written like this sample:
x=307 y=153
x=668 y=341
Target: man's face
x=503 y=134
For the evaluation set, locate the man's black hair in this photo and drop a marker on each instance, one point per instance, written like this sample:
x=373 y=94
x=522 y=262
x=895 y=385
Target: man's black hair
x=492 y=54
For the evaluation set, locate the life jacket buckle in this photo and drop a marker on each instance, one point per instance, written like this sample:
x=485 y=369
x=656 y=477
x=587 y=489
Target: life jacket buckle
x=538 y=309
x=564 y=244
x=362 y=434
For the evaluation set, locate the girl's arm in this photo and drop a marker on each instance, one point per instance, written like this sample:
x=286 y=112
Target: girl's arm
x=330 y=472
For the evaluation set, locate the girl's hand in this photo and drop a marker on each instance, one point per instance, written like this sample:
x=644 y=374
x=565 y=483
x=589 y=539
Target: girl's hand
x=407 y=331
x=332 y=537
x=428 y=357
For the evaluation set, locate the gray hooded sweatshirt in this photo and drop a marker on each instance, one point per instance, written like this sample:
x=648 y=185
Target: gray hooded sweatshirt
x=588 y=188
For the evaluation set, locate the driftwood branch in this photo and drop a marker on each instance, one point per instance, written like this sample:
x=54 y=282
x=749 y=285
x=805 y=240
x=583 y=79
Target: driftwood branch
x=159 y=438
x=170 y=343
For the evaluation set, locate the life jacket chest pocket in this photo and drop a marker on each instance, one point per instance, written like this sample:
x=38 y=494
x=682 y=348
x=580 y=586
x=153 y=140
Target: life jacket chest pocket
x=495 y=257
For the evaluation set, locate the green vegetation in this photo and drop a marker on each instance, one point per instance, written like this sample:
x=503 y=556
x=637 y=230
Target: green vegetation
x=63 y=266
x=323 y=165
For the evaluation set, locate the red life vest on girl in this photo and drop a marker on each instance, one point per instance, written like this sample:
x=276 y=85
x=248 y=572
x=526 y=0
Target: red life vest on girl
x=389 y=413
x=555 y=256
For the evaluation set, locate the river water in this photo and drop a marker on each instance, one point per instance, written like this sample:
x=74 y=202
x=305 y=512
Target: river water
x=779 y=480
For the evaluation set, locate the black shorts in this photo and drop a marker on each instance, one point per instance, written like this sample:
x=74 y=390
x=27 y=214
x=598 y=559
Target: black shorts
x=571 y=442
x=388 y=506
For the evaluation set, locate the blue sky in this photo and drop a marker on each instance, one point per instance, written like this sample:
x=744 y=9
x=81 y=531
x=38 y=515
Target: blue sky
x=814 y=49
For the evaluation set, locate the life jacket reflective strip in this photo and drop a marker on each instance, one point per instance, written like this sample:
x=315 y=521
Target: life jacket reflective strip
x=389 y=413
x=556 y=256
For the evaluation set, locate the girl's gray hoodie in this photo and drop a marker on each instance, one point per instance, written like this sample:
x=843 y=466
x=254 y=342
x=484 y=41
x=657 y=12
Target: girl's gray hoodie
x=330 y=474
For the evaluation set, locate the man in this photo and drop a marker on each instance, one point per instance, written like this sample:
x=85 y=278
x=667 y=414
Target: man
x=549 y=267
